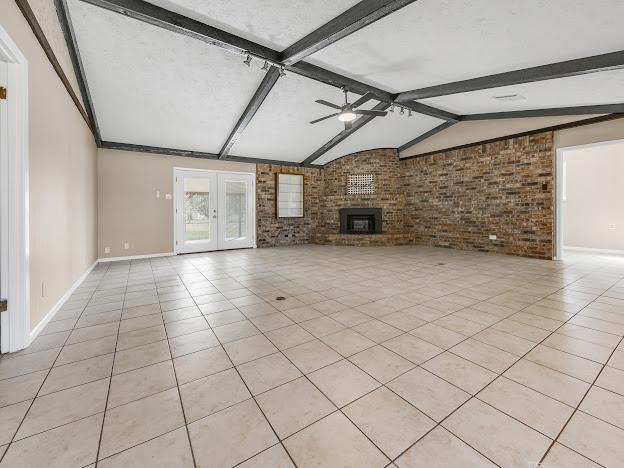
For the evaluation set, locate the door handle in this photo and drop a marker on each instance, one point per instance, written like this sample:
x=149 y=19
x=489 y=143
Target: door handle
x=3 y=305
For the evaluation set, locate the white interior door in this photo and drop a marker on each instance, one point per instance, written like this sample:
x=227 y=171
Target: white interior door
x=196 y=211
x=213 y=210
x=236 y=210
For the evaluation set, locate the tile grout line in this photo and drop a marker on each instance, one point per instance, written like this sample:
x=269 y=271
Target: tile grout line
x=110 y=381
x=188 y=434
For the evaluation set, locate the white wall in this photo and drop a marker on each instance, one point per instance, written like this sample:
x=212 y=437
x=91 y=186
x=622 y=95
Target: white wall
x=594 y=197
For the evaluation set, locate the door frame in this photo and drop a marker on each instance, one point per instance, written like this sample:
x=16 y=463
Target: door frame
x=15 y=323
x=559 y=177
x=175 y=201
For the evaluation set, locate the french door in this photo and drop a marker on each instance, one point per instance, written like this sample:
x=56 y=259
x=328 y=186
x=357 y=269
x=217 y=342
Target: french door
x=213 y=210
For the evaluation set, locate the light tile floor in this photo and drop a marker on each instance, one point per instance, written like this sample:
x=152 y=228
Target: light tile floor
x=398 y=356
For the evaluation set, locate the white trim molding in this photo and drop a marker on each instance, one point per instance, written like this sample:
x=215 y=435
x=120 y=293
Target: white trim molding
x=593 y=250
x=135 y=257
x=15 y=193
x=52 y=312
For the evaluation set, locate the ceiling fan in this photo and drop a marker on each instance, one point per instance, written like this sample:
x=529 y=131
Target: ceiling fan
x=349 y=112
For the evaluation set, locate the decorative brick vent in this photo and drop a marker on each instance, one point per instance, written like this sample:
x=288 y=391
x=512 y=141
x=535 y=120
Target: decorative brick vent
x=361 y=184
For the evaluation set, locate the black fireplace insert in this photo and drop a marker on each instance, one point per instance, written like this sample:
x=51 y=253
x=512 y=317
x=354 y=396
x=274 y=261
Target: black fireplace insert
x=360 y=221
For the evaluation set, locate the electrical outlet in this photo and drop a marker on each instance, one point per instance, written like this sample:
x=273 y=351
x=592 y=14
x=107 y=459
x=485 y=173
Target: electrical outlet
x=126 y=246
x=106 y=250
x=167 y=196
x=492 y=237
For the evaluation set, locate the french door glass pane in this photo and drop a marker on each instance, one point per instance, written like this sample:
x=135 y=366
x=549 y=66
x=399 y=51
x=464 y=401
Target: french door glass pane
x=235 y=209
x=196 y=209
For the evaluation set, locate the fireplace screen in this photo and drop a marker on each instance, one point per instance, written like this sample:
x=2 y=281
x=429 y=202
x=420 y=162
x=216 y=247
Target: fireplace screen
x=360 y=220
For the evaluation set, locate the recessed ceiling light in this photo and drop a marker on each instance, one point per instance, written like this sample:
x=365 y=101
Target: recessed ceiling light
x=510 y=97
x=347 y=116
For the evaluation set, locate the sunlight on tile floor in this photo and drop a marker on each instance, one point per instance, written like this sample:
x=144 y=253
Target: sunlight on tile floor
x=389 y=356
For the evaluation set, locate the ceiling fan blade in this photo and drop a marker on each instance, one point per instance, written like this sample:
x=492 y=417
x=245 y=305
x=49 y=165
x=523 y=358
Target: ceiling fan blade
x=371 y=112
x=326 y=117
x=362 y=100
x=328 y=104
x=348 y=125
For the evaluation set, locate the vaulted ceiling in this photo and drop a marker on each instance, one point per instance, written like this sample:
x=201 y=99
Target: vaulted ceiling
x=168 y=75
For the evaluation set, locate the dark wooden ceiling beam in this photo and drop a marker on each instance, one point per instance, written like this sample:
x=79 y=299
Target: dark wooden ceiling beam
x=357 y=124
x=175 y=22
x=256 y=101
x=355 y=18
x=62 y=12
x=425 y=135
x=581 y=66
x=554 y=112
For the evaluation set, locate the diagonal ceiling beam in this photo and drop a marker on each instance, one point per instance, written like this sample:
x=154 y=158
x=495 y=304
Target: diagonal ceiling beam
x=425 y=135
x=175 y=22
x=596 y=63
x=62 y=11
x=357 y=124
x=557 y=111
x=256 y=101
x=355 y=18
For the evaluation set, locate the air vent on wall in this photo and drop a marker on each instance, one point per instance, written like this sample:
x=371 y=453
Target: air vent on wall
x=510 y=97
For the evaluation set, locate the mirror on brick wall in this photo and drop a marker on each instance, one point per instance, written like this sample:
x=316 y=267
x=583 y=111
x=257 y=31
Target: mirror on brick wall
x=289 y=195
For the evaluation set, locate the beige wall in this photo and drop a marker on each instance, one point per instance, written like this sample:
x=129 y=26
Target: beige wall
x=465 y=133
x=63 y=196
x=595 y=197
x=587 y=134
x=130 y=212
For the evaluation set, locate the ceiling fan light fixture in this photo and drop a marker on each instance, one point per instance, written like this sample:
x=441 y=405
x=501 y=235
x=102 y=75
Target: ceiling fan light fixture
x=347 y=116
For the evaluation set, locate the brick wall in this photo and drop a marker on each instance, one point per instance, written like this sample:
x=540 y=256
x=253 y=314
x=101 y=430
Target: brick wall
x=273 y=231
x=451 y=199
x=457 y=198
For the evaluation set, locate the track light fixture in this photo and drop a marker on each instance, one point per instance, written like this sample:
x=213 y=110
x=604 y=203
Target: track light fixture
x=265 y=67
x=282 y=72
x=409 y=112
x=402 y=111
x=392 y=108
x=248 y=60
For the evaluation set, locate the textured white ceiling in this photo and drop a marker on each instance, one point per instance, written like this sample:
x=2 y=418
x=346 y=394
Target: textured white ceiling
x=437 y=41
x=281 y=129
x=595 y=88
x=156 y=88
x=272 y=23
x=391 y=131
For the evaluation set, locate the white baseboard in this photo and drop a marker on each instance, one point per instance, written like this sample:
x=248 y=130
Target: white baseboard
x=588 y=249
x=134 y=257
x=34 y=333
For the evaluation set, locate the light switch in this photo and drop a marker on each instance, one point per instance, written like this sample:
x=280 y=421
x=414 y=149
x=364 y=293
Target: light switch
x=157 y=193
x=168 y=196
